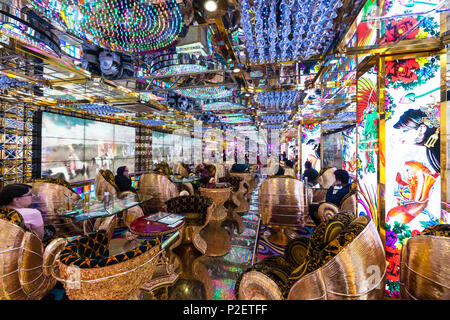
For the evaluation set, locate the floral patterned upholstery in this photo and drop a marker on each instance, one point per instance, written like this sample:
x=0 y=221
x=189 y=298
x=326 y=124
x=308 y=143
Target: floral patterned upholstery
x=439 y=230
x=164 y=168
x=91 y=251
x=109 y=176
x=193 y=207
x=305 y=255
x=13 y=216
x=233 y=181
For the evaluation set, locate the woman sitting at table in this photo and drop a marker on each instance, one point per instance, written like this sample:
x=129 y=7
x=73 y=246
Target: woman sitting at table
x=18 y=196
x=123 y=180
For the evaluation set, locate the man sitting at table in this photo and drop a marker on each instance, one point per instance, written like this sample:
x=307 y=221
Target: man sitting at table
x=310 y=173
x=335 y=194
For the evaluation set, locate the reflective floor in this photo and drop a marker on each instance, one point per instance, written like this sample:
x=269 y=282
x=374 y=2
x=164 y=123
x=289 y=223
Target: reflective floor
x=202 y=277
x=213 y=278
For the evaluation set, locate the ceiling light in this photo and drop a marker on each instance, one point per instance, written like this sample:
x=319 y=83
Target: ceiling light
x=236 y=70
x=210 y=5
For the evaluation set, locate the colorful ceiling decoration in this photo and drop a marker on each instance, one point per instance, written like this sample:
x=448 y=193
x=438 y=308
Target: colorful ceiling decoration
x=206 y=93
x=127 y=25
x=285 y=30
x=152 y=122
x=235 y=118
x=98 y=109
x=279 y=100
x=220 y=106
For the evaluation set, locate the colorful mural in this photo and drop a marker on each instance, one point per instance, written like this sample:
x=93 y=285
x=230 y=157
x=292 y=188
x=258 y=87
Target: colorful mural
x=311 y=139
x=412 y=139
x=412 y=114
x=367 y=154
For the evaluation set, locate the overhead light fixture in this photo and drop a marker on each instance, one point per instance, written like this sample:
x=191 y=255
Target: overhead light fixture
x=237 y=70
x=210 y=5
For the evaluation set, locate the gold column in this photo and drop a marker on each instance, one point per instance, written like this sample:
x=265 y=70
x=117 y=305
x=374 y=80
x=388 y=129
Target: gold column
x=444 y=123
x=381 y=147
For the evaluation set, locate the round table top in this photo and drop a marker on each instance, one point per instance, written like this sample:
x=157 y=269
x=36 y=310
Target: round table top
x=144 y=227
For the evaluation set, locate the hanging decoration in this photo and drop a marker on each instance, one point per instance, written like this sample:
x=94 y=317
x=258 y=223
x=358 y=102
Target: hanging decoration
x=121 y=25
x=279 y=100
x=284 y=30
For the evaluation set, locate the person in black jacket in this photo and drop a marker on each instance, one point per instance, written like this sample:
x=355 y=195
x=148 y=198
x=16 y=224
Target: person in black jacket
x=310 y=173
x=335 y=193
x=123 y=180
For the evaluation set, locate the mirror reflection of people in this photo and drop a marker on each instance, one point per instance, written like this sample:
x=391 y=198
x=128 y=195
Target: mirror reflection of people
x=334 y=195
x=310 y=173
x=18 y=196
x=123 y=180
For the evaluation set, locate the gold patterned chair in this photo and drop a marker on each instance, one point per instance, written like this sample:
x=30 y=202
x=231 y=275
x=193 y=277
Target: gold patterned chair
x=164 y=168
x=343 y=259
x=181 y=169
x=424 y=265
x=24 y=271
x=282 y=205
x=348 y=203
x=89 y=272
x=326 y=177
x=51 y=197
x=104 y=182
x=157 y=188
x=198 y=211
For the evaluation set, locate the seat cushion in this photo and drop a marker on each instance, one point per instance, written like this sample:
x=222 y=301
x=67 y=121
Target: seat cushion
x=14 y=217
x=109 y=176
x=440 y=230
x=193 y=207
x=91 y=251
x=233 y=181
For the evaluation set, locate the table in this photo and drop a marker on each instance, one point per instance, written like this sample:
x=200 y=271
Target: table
x=249 y=178
x=94 y=208
x=158 y=225
x=217 y=237
x=186 y=181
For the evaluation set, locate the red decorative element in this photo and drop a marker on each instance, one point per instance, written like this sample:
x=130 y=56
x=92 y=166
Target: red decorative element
x=397 y=29
x=402 y=70
x=393 y=268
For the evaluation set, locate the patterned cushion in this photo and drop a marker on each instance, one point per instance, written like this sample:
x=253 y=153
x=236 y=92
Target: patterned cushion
x=194 y=206
x=276 y=268
x=164 y=168
x=234 y=181
x=91 y=251
x=296 y=250
x=353 y=189
x=440 y=230
x=327 y=231
x=109 y=176
x=14 y=217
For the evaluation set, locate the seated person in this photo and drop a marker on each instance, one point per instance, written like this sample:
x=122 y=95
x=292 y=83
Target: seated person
x=18 y=196
x=287 y=162
x=203 y=173
x=335 y=193
x=123 y=180
x=310 y=173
